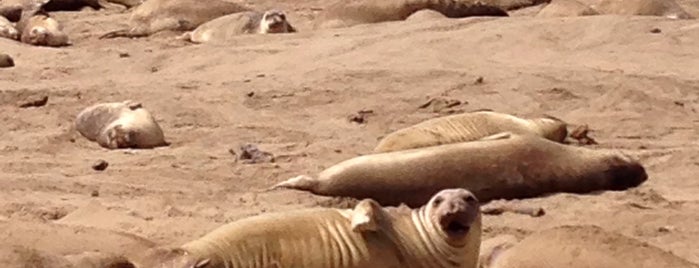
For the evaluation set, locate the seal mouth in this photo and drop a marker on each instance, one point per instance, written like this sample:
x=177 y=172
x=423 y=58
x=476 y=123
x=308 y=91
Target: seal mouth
x=455 y=226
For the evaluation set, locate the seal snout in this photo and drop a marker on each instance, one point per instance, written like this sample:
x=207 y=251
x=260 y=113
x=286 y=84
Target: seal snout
x=455 y=211
x=626 y=173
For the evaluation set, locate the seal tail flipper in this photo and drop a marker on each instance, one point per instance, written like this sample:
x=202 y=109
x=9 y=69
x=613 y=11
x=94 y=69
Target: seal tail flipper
x=301 y=182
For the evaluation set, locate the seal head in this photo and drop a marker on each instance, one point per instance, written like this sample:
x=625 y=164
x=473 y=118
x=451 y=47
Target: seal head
x=454 y=212
x=274 y=21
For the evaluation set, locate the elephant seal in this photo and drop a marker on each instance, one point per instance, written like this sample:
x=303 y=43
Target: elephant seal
x=249 y=22
x=566 y=8
x=154 y=16
x=21 y=257
x=38 y=28
x=6 y=61
x=663 y=8
x=343 y=13
x=7 y=30
x=120 y=125
x=469 y=126
x=502 y=166
x=580 y=246
x=444 y=232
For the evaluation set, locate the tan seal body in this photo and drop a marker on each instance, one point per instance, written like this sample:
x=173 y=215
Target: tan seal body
x=226 y=27
x=425 y=15
x=349 y=13
x=120 y=125
x=566 y=8
x=584 y=246
x=7 y=29
x=662 y=8
x=445 y=232
x=504 y=166
x=468 y=127
x=153 y=16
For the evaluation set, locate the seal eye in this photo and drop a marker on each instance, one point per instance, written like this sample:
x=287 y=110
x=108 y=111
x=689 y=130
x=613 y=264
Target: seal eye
x=438 y=200
x=470 y=199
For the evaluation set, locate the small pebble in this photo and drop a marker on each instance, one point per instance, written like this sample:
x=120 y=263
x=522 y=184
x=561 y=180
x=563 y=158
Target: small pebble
x=95 y=193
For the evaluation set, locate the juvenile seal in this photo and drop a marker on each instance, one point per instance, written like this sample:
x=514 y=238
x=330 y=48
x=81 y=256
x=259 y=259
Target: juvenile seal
x=349 y=13
x=502 y=166
x=38 y=28
x=250 y=22
x=154 y=16
x=566 y=8
x=580 y=247
x=469 y=126
x=6 y=61
x=663 y=8
x=445 y=232
x=120 y=125
x=7 y=29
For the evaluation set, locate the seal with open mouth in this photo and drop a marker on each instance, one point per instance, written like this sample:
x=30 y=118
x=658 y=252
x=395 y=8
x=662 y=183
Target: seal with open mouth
x=445 y=232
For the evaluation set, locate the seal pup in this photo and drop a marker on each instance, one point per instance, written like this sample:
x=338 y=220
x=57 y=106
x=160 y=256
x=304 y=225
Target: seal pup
x=38 y=28
x=117 y=125
x=663 y=8
x=7 y=29
x=154 y=16
x=343 y=13
x=469 y=126
x=6 y=61
x=502 y=166
x=566 y=8
x=249 y=22
x=444 y=232
x=580 y=246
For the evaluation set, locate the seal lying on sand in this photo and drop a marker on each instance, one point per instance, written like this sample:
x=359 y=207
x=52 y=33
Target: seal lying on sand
x=663 y=8
x=582 y=246
x=249 y=22
x=120 y=125
x=445 y=232
x=174 y=15
x=468 y=127
x=566 y=8
x=502 y=166
x=349 y=13
x=23 y=257
x=38 y=28
x=7 y=30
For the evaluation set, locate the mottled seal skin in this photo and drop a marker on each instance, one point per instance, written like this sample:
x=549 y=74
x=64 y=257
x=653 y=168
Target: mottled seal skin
x=38 y=28
x=445 y=232
x=582 y=246
x=566 y=8
x=343 y=13
x=502 y=166
x=154 y=16
x=663 y=8
x=250 y=22
x=7 y=29
x=469 y=126
x=120 y=125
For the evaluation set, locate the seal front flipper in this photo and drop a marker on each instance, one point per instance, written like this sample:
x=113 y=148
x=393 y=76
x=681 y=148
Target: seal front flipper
x=365 y=216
